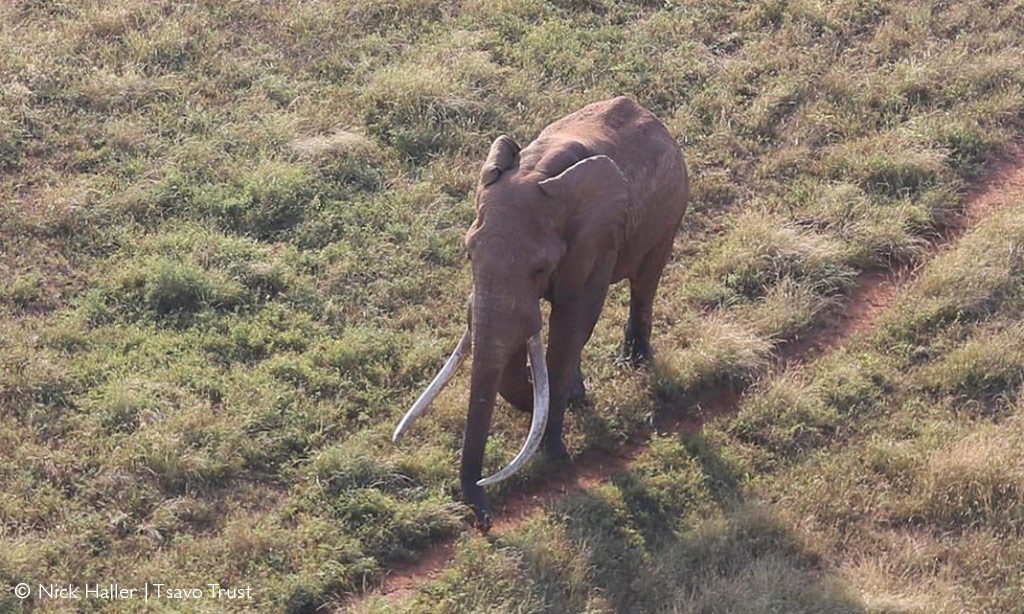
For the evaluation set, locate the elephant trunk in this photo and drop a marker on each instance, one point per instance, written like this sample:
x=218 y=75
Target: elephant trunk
x=493 y=347
x=488 y=364
x=494 y=334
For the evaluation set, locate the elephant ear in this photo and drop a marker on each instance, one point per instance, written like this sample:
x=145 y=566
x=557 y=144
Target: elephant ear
x=501 y=157
x=595 y=193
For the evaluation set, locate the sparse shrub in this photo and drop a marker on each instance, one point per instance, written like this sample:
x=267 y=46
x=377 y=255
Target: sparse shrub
x=273 y=330
x=854 y=383
x=344 y=157
x=173 y=287
x=897 y=461
x=367 y=353
x=358 y=465
x=186 y=450
x=967 y=142
x=121 y=406
x=964 y=285
x=665 y=485
x=876 y=236
x=599 y=520
x=179 y=276
x=274 y=198
x=786 y=309
x=38 y=377
x=106 y=91
x=12 y=145
x=482 y=578
x=388 y=527
x=266 y=280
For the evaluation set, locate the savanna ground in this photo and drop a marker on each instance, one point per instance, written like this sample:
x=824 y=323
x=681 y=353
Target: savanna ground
x=230 y=246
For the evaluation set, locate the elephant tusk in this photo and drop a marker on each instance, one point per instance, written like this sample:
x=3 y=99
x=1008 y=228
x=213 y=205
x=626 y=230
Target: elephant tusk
x=439 y=382
x=541 y=397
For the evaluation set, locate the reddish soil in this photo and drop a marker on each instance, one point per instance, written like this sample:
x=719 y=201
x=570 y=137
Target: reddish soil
x=403 y=579
x=872 y=294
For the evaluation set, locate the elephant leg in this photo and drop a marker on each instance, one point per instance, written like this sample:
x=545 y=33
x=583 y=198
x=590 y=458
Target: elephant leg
x=571 y=326
x=515 y=386
x=578 y=393
x=636 y=348
x=518 y=391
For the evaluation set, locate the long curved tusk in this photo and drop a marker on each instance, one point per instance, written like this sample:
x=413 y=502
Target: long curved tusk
x=541 y=397
x=439 y=382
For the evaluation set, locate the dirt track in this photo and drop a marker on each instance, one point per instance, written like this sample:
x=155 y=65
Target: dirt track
x=873 y=293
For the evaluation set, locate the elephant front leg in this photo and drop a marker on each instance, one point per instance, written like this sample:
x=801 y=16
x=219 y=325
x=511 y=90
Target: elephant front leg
x=571 y=327
x=636 y=347
x=561 y=387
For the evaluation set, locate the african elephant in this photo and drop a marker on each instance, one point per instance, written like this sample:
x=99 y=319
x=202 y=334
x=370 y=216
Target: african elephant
x=595 y=199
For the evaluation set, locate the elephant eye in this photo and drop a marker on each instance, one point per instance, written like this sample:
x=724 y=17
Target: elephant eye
x=538 y=270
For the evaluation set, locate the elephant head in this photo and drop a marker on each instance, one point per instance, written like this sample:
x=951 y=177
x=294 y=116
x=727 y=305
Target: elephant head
x=542 y=222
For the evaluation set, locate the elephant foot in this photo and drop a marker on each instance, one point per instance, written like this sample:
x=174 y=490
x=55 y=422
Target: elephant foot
x=636 y=351
x=554 y=450
x=477 y=500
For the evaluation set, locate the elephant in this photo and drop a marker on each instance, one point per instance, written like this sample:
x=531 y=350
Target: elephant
x=595 y=199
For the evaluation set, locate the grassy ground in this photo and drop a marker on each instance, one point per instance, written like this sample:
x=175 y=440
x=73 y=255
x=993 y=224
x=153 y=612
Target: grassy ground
x=230 y=245
x=885 y=477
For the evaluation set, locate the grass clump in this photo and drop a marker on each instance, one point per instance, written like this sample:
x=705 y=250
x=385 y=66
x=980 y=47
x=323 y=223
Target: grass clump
x=172 y=287
x=889 y=165
x=762 y=251
x=272 y=199
x=986 y=367
x=974 y=481
x=22 y=293
x=784 y=422
x=426 y=107
x=717 y=350
x=962 y=286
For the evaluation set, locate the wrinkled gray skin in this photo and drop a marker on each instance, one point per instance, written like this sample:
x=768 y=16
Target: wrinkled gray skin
x=597 y=198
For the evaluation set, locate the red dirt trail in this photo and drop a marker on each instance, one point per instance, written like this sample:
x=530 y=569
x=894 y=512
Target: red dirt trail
x=872 y=295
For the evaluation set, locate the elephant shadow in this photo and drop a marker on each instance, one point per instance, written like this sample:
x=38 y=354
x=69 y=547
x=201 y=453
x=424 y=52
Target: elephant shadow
x=717 y=553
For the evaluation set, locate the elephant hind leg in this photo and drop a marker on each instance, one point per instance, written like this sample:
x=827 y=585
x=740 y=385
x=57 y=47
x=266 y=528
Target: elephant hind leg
x=636 y=348
x=515 y=386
